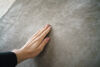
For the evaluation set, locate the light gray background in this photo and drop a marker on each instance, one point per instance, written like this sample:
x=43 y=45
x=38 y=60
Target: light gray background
x=75 y=35
x=4 y=6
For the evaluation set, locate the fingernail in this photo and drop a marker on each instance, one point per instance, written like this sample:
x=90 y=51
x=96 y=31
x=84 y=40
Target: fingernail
x=48 y=25
x=47 y=39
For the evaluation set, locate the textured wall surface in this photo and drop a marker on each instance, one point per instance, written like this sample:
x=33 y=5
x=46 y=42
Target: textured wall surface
x=4 y=6
x=75 y=36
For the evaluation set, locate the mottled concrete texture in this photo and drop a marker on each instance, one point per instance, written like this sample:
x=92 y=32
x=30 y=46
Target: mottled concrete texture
x=4 y=6
x=75 y=36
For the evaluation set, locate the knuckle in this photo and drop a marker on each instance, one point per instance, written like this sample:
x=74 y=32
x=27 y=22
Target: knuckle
x=37 y=39
x=29 y=52
x=45 y=32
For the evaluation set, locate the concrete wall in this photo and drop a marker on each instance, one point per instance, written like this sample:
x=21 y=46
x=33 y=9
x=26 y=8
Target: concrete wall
x=75 y=36
x=4 y=6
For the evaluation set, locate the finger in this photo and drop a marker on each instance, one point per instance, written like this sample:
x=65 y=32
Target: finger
x=42 y=36
x=44 y=42
x=40 y=31
x=39 y=39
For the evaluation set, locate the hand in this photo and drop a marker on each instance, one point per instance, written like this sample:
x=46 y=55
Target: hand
x=34 y=45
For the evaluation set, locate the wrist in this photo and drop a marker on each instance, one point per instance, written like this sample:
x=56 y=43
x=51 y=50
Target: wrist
x=20 y=55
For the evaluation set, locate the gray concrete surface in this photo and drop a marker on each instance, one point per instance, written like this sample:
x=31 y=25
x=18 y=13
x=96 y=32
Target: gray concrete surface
x=75 y=36
x=4 y=6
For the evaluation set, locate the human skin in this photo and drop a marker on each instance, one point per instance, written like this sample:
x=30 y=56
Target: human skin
x=34 y=45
